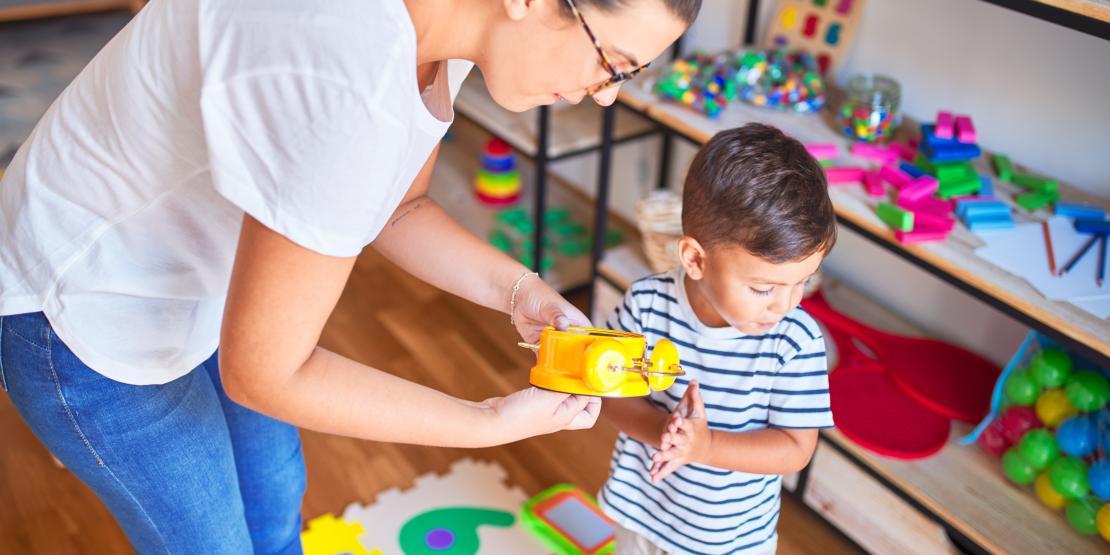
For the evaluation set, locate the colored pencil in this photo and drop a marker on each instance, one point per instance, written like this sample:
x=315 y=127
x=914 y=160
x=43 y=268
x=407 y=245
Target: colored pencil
x=1048 y=247
x=1079 y=255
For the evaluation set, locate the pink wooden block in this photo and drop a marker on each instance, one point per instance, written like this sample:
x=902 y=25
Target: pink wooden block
x=895 y=176
x=873 y=183
x=913 y=143
x=844 y=174
x=823 y=151
x=944 y=126
x=931 y=205
x=874 y=152
x=929 y=221
x=919 y=189
x=905 y=152
x=965 y=130
x=920 y=236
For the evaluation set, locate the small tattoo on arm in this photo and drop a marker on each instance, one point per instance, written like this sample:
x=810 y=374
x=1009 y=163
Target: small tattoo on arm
x=415 y=206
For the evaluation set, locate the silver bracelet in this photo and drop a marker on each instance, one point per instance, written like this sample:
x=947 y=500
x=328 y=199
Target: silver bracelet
x=512 y=299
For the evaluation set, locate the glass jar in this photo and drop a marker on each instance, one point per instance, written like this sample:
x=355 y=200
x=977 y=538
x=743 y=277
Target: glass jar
x=870 y=111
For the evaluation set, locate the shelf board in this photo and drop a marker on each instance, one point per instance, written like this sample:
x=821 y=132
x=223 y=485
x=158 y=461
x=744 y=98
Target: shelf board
x=571 y=128
x=961 y=485
x=954 y=256
x=452 y=187
x=1087 y=16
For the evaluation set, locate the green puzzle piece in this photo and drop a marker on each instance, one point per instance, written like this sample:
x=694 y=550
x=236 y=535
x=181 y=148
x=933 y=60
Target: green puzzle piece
x=449 y=531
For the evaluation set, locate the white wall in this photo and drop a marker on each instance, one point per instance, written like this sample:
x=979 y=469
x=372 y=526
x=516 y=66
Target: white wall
x=1037 y=91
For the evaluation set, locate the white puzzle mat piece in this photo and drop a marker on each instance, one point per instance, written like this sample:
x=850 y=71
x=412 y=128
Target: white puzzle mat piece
x=471 y=495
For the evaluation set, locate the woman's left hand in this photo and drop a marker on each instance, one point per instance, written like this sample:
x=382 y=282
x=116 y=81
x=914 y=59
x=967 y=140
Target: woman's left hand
x=539 y=306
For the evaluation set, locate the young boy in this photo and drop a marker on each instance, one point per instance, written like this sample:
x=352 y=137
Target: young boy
x=697 y=468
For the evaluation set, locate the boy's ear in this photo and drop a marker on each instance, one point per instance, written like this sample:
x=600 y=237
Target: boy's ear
x=517 y=9
x=692 y=256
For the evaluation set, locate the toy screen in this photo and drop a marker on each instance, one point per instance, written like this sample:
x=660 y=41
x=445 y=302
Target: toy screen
x=580 y=522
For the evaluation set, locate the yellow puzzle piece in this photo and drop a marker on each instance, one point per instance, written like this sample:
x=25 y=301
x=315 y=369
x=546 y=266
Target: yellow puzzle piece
x=327 y=535
x=600 y=362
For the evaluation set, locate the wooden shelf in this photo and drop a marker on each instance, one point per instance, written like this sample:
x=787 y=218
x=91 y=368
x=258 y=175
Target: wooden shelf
x=571 y=129
x=954 y=256
x=961 y=485
x=1094 y=9
x=15 y=10
x=1086 y=16
x=452 y=187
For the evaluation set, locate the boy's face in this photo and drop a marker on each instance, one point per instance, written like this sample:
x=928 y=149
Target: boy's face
x=743 y=290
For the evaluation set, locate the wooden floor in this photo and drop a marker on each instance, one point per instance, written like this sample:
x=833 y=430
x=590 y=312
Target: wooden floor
x=394 y=322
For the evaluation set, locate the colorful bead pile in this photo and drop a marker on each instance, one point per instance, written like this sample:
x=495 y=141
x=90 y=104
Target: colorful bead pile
x=775 y=79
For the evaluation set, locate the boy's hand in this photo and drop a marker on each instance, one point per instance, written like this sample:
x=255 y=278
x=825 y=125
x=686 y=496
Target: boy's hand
x=687 y=437
x=533 y=411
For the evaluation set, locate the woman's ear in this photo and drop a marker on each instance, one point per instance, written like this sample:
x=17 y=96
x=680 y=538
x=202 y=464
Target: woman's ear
x=517 y=9
x=692 y=256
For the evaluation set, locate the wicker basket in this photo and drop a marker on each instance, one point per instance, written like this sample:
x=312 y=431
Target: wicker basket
x=659 y=217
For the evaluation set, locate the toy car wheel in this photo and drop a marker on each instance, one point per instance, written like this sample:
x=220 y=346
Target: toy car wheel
x=601 y=357
x=664 y=360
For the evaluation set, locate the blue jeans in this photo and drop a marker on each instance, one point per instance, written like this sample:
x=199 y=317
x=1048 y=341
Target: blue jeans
x=183 y=468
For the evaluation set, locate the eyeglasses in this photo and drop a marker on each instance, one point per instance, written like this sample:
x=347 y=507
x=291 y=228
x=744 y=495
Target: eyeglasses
x=615 y=77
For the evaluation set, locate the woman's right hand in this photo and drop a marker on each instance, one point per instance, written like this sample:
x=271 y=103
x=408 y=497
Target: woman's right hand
x=533 y=411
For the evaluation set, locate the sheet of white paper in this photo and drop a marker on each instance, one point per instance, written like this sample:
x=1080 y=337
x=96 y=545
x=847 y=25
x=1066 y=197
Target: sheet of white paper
x=1099 y=307
x=1021 y=251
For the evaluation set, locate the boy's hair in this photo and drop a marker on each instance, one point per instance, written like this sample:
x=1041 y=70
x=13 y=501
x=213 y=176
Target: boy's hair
x=757 y=188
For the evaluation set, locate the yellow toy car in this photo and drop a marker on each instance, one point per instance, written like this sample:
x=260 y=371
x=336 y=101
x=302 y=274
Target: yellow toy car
x=600 y=362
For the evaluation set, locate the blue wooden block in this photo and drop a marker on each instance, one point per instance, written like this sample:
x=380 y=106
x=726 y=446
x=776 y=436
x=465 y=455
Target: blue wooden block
x=986 y=187
x=1080 y=211
x=994 y=222
x=982 y=207
x=1092 y=226
x=954 y=153
x=911 y=169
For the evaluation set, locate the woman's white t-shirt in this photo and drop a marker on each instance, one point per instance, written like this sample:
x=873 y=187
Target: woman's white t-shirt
x=120 y=215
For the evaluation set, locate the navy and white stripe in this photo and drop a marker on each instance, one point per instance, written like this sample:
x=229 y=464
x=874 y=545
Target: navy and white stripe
x=779 y=379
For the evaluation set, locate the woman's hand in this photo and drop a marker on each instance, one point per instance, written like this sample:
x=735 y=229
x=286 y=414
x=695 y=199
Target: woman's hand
x=539 y=306
x=533 y=412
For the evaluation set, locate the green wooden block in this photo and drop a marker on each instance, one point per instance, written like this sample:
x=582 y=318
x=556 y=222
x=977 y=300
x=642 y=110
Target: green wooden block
x=1035 y=183
x=922 y=162
x=954 y=172
x=1003 y=167
x=1034 y=200
x=966 y=186
x=895 y=217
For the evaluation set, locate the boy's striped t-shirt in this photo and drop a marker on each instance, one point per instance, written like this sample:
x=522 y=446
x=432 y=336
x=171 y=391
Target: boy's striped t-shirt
x=779 y=379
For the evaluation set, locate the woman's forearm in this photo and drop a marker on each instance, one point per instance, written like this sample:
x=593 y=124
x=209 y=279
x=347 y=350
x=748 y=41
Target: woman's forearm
x=329 y=394
x=424 y=240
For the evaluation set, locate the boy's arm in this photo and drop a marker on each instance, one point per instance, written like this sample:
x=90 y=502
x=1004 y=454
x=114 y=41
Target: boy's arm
x=767 y=451
x=637 y=418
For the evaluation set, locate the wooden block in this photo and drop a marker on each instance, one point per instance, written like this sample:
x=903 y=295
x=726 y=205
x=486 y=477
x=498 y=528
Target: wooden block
x=895 y=176
x=874 y=152
x=1080 y=211
x=990 y=222
x=895 y=217
x=905 y=152
x=966 y=186
x=823 y=151
x=1035 y=183
x=873 y=183
x=965 y=130
x=1092 y=226
x=1034 y=200
x=1003 y=167
x=928 y=221
x=844 y=174
x=986 y=186
x=920 y=236
x=917 y=190
x=945 y=125
x=983 y=207
x=911 y=169
x=932 y=205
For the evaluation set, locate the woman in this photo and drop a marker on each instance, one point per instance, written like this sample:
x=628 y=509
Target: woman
x=208 y=181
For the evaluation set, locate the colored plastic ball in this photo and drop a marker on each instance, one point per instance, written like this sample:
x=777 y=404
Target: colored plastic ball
x=993 y=439
x=1102 y=522
x=1038 y=447
x=1068 y=476
x=1081 y=515
x=1098 y=477
x=1018 y=420
x=1077 y=436
x=1087 y=390
x=1050 y=367
x=1050 y=497
x=1017 y=469
x=1021 y=388
x=1053 y=407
